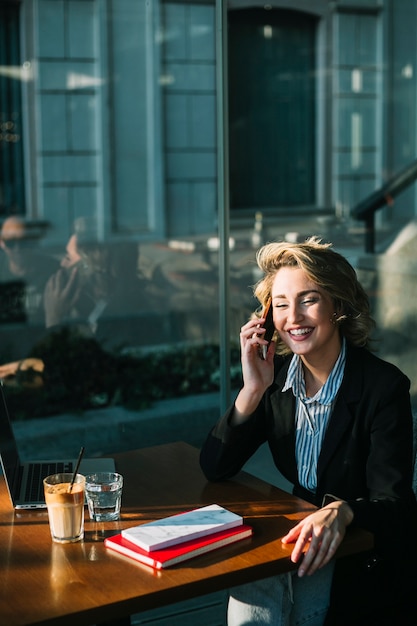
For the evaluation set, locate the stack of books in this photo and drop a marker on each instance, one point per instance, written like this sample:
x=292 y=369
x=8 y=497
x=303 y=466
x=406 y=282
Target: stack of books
x=177 y=538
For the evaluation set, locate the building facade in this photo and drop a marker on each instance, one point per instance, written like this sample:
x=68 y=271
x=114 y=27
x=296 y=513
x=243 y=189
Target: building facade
x=118 y=105
x=148 y=147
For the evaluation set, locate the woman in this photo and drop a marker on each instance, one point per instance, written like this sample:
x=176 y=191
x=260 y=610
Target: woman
x=338 y=423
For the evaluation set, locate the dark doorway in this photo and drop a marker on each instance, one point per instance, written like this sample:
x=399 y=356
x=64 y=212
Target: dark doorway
x=271 y=108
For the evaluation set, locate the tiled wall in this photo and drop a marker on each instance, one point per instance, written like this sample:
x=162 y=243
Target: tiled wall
x=356 y=96
x=67 y=110
x=189 y=83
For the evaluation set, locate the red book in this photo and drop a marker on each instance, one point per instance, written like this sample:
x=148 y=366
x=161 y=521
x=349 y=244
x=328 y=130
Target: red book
x=181 y=552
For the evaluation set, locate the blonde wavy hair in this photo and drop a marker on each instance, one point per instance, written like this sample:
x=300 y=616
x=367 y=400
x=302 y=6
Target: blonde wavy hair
x=330 y=271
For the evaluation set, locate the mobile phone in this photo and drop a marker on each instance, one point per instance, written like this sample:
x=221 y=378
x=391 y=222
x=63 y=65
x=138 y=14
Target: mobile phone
x=268 y=325
x=269 y=322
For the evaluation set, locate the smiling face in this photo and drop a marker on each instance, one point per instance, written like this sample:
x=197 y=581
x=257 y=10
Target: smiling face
x=303 y=314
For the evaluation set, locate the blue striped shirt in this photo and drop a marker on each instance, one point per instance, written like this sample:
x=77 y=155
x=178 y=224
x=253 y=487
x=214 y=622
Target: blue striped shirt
x=312 y=415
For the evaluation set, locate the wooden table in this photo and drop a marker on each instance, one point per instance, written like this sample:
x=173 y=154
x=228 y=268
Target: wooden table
x=85 y=583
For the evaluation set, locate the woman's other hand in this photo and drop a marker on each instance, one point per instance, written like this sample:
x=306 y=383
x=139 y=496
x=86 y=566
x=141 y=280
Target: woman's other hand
x=318 y=536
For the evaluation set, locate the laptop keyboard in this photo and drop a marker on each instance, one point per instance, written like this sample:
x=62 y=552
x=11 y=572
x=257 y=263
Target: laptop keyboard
x=36 y=473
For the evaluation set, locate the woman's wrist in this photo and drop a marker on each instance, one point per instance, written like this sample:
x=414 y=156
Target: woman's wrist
x=343 y=509
x=245 y=404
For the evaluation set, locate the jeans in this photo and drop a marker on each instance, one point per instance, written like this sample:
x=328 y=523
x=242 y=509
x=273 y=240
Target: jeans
x=283 y=600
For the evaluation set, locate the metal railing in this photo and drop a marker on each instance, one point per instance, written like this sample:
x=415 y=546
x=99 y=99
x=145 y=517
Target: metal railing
x=380 y=198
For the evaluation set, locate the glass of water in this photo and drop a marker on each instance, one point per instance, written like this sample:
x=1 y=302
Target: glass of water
x=103 y=491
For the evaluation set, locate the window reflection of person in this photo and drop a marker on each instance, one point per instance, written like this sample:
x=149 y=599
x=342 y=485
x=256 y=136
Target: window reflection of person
x=62 y=290
x=23 y=262
x=95 y=287
x=13 y=234
x=96 y=280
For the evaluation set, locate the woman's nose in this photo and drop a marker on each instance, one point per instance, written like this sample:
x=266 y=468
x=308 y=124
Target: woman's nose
x=294 y=313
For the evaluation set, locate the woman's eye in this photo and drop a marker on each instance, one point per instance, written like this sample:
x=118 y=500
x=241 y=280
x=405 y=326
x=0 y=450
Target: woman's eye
x=310 y=300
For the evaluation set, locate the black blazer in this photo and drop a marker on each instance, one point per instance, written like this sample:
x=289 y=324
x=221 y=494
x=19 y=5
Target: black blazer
x=366 y=456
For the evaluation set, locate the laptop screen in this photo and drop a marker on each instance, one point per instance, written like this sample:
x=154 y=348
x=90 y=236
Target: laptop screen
x=9 y=455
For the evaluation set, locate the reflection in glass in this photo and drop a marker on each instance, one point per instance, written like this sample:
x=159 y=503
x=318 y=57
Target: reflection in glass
x=109 y=267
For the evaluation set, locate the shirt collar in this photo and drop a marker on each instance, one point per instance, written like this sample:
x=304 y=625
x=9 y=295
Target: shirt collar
x=327 y=393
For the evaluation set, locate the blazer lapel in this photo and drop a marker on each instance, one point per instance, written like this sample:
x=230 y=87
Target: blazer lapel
x=283 y=442
x=343 y=415
x=283 y=404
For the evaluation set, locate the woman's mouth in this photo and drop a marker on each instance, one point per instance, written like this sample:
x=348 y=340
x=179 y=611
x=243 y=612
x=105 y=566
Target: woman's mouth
x=300 y=333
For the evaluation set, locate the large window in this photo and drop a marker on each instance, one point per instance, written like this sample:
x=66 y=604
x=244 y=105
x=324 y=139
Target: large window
x=114 y=258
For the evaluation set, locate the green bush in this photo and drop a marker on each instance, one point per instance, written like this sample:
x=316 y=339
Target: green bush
x=79 y=374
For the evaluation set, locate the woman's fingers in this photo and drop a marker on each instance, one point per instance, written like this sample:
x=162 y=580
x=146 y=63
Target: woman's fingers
x=252 y=333
x=320 y=551
x=318 y=536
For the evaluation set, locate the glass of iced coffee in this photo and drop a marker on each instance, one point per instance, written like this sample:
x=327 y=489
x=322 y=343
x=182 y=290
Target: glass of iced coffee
x=65 y=506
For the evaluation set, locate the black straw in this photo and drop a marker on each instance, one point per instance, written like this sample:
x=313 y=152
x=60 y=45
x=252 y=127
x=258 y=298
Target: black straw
x=77 y=465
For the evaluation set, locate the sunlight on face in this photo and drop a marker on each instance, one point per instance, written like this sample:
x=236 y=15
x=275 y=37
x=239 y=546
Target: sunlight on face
x=304 y=314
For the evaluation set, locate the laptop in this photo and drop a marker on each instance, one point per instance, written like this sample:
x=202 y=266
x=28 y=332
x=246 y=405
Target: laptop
x=24 y=480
